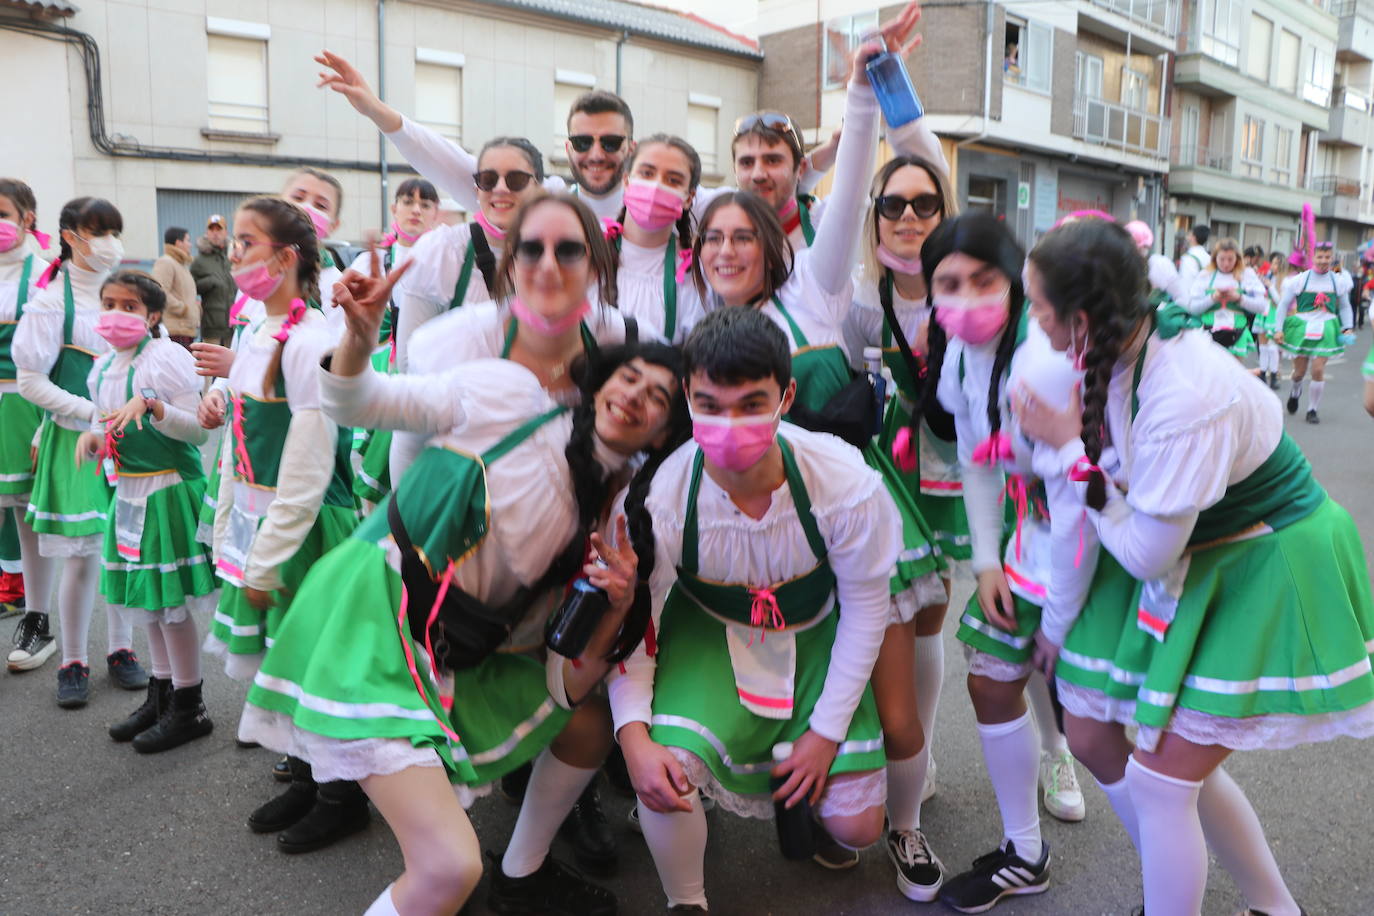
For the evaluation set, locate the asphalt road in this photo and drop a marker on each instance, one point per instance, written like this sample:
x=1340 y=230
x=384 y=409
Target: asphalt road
x=92 y=827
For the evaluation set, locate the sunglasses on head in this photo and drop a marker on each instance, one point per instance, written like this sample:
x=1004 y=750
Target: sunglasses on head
x=567 y=251
x=516 y=180
x=610 y=143
x=892 y=206
x=772 y=120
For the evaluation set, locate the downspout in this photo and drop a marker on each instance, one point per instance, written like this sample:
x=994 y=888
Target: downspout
x=987 y=81
x=381 y=94
x=620 y=59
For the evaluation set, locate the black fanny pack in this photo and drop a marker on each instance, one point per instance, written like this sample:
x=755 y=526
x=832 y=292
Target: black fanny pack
x=848 y=414
x=1229 y=337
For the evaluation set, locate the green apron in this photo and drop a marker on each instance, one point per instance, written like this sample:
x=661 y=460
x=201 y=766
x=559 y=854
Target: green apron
x=1312 y=329
x=18 y=418
x=8 y=372
x=1222 y=317
x=73 y=365
x=669 y=287
x=147 y=452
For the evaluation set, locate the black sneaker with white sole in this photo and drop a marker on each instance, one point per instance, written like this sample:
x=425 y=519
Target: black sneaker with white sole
x=33 y=643
x=1000 y=873
x=919 y=873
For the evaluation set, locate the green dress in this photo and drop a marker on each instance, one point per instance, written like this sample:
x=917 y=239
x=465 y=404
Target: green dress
x=697 y=703
x=344 y=666
x=1221 y=318
x=18 y=418
x=1314 y=327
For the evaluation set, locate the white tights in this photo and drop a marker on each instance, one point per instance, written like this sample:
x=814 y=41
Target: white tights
x=75 y=603
x=174 y=652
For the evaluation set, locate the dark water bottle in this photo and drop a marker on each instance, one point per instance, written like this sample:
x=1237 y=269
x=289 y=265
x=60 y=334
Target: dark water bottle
x=873 y=365
x=571 y=626
x=796 y=835
x=892 y=85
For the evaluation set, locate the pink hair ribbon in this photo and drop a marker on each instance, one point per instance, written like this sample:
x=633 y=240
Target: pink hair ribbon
x=44 y=240
x=237 y=308
x=48 y=274
x=1083 y=470
x=684 y=264
x=293 y=317
x=994 y=448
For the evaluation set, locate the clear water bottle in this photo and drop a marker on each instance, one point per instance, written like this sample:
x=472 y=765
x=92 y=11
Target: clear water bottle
x=796 y=835
x=892 y=85
x=873 y=365
x=570 y=628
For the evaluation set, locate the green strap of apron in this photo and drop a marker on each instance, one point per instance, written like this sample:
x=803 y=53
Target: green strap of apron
x=21 y=295
x=68 y=308
x=670 y=290
x=804 y=208
x=588 y=341
x=129 y=386
x=800 y=498
x=460 y=289
x=519 y=434
x=798 y=338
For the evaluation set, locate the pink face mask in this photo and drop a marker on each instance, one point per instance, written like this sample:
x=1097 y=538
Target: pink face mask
x=908 y=266
x=652 y=205
x=548 y=327
x=255 y=282
x=320 y=220
x=735 y=443
x=9 y=235
x=974 y=321
x=121 y=329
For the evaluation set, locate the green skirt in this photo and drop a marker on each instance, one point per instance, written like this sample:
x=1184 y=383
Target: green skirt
x=205 y=521
x=67 y=500
x=982 y=635
x=338 y=668
x=919 y=556
x=1369 y=366
x=943 y=512
x=172 y=567
x=372 y=476
x=241 y=629
x=18 y=422
x=1295 y=338
x=1278 y=625
x=697 y=708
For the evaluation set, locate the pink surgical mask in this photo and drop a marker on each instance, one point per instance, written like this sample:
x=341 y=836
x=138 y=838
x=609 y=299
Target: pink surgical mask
x=651 y=204
x=121 y=329
x=908 y=266
x=547 y=326
x=735 y=443
x=10 y=234
x=255 y=282
x=489 y=227
x=320 y=219
x=975 y=320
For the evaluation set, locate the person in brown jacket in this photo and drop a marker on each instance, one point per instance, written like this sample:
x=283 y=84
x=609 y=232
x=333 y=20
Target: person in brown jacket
x=182 y=316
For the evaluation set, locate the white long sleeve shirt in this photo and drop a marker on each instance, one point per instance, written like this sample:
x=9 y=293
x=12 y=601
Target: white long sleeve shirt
x=1252 y=295
x=38 y=342
x=11 y=269
x=1335 y=285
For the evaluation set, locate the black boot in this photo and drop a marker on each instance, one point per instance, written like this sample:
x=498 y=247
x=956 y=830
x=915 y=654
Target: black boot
x=594 y=845
x=340 y=810
x=288 y=807
x=143 y=718
x=181 y=719
x=553 y=890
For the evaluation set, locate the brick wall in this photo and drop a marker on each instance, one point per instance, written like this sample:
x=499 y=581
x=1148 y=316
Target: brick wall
x=788 y=80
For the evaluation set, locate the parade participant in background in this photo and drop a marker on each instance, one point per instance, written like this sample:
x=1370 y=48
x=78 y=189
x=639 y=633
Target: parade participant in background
x=1225 y=298
x=20 y=270
x=54 y=345
x=1276 y=272
x=398 y=712
x=1164 y=278
x=1262 y=326
x=1253 y=626
x=145 y=392
x=1195 y=259
x=1314 y=318
x=759 y=533
x=285 y=494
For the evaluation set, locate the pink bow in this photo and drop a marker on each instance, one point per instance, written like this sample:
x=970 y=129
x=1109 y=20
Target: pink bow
x=1083 y=470
x=764 y=612
x=684 y=264
x=445 y=702
x=1322 y=299
x=293 y=318
x=112 y=438
x=244 y=464
x=611 y=229
x=236 y=308
x=994 y=448
x=48 y=274
x=1016 y=489
x=903 y=452
x=43 y=238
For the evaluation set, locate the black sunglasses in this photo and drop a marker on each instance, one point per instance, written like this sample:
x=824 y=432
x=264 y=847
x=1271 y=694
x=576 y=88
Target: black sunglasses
x=891 y=206
x=516 y=180
x=611 y=143
x=567 y=252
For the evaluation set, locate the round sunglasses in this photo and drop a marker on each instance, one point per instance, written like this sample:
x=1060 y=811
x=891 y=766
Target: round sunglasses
x=516 y=180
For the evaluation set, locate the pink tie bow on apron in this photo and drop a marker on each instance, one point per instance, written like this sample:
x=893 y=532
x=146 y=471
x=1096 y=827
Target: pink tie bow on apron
x=112 y=437
x=764 y=612
x=243 y=463
x=611 y=229
x=903 y=451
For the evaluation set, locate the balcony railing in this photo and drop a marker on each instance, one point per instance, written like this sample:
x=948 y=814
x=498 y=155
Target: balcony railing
x=1336 y=186
x=1158 y=14
x=1351 y=97
x=1201 y=157
x=1127 y=129
x=1214 y=46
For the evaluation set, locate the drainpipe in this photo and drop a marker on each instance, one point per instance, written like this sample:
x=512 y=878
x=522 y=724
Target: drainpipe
x=381 y=94
x=619 y=58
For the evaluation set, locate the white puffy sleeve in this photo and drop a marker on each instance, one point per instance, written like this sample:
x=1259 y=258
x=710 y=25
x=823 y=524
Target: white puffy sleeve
x=1287 y=296
x=832 y=253
x=171 y=374
x=1253 y=298
x=1199 y=298
x=37 y=343
x=983 y=485
x=370 y=400
x=426 y=289
x=915 y=138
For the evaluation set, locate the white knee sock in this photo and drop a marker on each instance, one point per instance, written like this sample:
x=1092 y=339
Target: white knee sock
x=553 y=790
x=1013 y=762
x=1270 y=353
x=1233 y=831
x=1314 y=394
x=677 y=842
x=1052 y=740
x=119 y=632
x=1297 y=389
x=183 y=651
x=38 y=569
x=1173 y=853
x=906 y=780
x=158 y=664
x=930 y=677
x=383 y=906
x=1120 y=797
x=75 y=601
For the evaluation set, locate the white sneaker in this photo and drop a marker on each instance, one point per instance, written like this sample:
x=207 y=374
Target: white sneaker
x=928 y=791
x=1059 y=787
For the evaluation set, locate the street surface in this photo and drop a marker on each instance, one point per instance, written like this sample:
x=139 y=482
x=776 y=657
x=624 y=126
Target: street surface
x=92 y=827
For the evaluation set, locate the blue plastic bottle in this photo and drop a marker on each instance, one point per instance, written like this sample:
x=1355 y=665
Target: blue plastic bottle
x=892 y=85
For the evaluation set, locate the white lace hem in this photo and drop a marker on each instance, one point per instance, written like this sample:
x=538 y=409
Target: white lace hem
x=998 y=669
x=1275 y=732
x=927 y=591
x=201 y=605
x=57 y=545
x=854 y=795
x=237 y=666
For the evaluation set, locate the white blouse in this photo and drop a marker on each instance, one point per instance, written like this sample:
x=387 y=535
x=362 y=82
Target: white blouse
x=1252 y=295
x=639 y=284
x=426 y=290
x=38 y=341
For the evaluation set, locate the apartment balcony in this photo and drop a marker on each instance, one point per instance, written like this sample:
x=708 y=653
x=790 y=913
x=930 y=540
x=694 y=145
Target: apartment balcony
x=1355 y=40
x=1197 y=171
x=1127 y=129
x=1352 y=118
x=1152 y=24
x=1343 y=197
x=1204 y=69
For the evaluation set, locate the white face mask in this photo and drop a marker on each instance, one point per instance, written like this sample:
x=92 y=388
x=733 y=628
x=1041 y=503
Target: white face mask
x=106 y=252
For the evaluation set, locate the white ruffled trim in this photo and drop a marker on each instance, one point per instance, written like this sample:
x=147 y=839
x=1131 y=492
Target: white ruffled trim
x=1274 y=732
x=849 y=796
x=927 y=591
x=54 y=546
x=332 y=759
x=201 y=605
x=990 y=666
x=238 y=666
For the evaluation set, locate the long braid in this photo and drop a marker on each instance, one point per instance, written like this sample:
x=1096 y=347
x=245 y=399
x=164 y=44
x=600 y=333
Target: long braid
x=1099 y=360
x=936 y=343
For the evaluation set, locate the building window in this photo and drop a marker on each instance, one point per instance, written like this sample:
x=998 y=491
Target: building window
x=1188 y=152
x=1259 y=43
x=986 y=195
x=1135 y=89
x=236 y=75
x=1029 y=53
x=568 y=87
x=439 y=92
x=1282 y=172
x=703 y=129
x=1217 y=30
x=1087 y=75
x=1317 y=77
x=1289 y=48
x=842 y=35
x=1252 y=147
